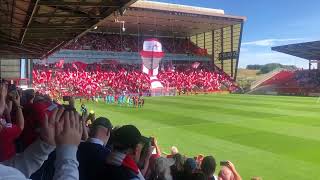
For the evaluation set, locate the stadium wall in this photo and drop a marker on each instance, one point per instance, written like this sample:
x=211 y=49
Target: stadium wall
x=10 y=68
x=223 y=45
x=91 y=56
x=15 y=69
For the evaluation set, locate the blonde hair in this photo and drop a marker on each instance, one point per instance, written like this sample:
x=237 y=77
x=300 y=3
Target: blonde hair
x=174 y=150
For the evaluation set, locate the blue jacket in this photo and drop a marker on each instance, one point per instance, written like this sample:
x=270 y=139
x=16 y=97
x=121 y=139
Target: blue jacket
x=91 y=157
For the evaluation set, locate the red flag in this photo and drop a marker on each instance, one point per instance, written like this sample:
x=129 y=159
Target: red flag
x=195 y=65
x=60 y=63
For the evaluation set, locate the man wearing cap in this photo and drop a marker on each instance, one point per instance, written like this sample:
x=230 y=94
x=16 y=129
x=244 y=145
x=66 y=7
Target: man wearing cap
x=92 y=153
x=190 y=165
x=121 y=164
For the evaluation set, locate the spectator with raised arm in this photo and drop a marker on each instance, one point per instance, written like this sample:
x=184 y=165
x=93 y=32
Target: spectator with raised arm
x=229 y=172
x=62 y=129
x=9 y=132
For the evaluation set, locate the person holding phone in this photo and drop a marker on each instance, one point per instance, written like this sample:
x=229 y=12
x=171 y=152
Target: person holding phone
x=228 y=171
x=9 y=132
x=83 y=110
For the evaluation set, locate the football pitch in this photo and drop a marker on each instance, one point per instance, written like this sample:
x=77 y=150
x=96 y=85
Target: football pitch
x=275 y=137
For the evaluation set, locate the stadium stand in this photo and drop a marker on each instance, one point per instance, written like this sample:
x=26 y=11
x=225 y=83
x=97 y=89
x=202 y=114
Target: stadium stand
x=42 y=138
x=279 y=78
x=119 y=43
x=99 y=80
x=308 y=78
x=293 y=82
x=38 y=124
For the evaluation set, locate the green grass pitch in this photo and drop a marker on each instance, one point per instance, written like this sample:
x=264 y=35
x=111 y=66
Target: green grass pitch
x=275 y=137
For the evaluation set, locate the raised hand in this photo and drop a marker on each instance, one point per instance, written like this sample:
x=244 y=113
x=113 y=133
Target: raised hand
x=3 y=95
x=3 y=90
x=154 y=141
x=234 y=171
x=47 y=132
x=230 y=166
x=16 y=100
x=69 y=129
x=72 y=102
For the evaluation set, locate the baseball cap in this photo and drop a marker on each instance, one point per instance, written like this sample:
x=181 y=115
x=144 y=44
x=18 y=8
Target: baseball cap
x=127 y=136
x=102 y=121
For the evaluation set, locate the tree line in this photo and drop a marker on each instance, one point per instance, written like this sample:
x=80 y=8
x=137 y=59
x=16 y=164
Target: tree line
x=263 y=69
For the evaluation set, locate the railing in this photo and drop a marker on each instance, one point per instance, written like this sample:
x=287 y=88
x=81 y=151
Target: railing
x=265 y=78
x=163 y=92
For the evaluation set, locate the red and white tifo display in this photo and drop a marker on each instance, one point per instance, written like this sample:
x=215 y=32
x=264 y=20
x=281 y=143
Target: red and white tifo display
x=151 y=56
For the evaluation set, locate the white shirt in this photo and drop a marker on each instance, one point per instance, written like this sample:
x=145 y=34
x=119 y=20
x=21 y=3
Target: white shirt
x=96 y=141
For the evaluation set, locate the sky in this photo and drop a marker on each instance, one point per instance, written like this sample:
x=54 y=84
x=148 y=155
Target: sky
x=269 y=23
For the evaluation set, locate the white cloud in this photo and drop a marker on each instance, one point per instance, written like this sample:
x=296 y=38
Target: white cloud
x=242 y=49
x=270 y=42
x=259 y=52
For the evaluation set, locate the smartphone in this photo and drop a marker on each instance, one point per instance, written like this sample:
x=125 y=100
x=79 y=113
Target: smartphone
x=66 y=98
x=68 y=107
x=12 y=87
x=146 y=142
x=52 y=107
x=223 y=163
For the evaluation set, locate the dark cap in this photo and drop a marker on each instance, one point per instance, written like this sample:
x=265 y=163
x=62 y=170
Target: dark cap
x=127 y=136
x=102 y=121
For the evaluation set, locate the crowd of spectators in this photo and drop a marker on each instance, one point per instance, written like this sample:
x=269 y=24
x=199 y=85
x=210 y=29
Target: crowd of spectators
x=54 y=142
x=127 y=43
x=300 y=82
x=280 y=78
x=203 y=78
x=105 y=42
x=308 y=78
x=101 y=80
x=57 y=128
x=94 y=80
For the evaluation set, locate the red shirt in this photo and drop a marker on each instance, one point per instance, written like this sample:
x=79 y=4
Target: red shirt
x=7 y=137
